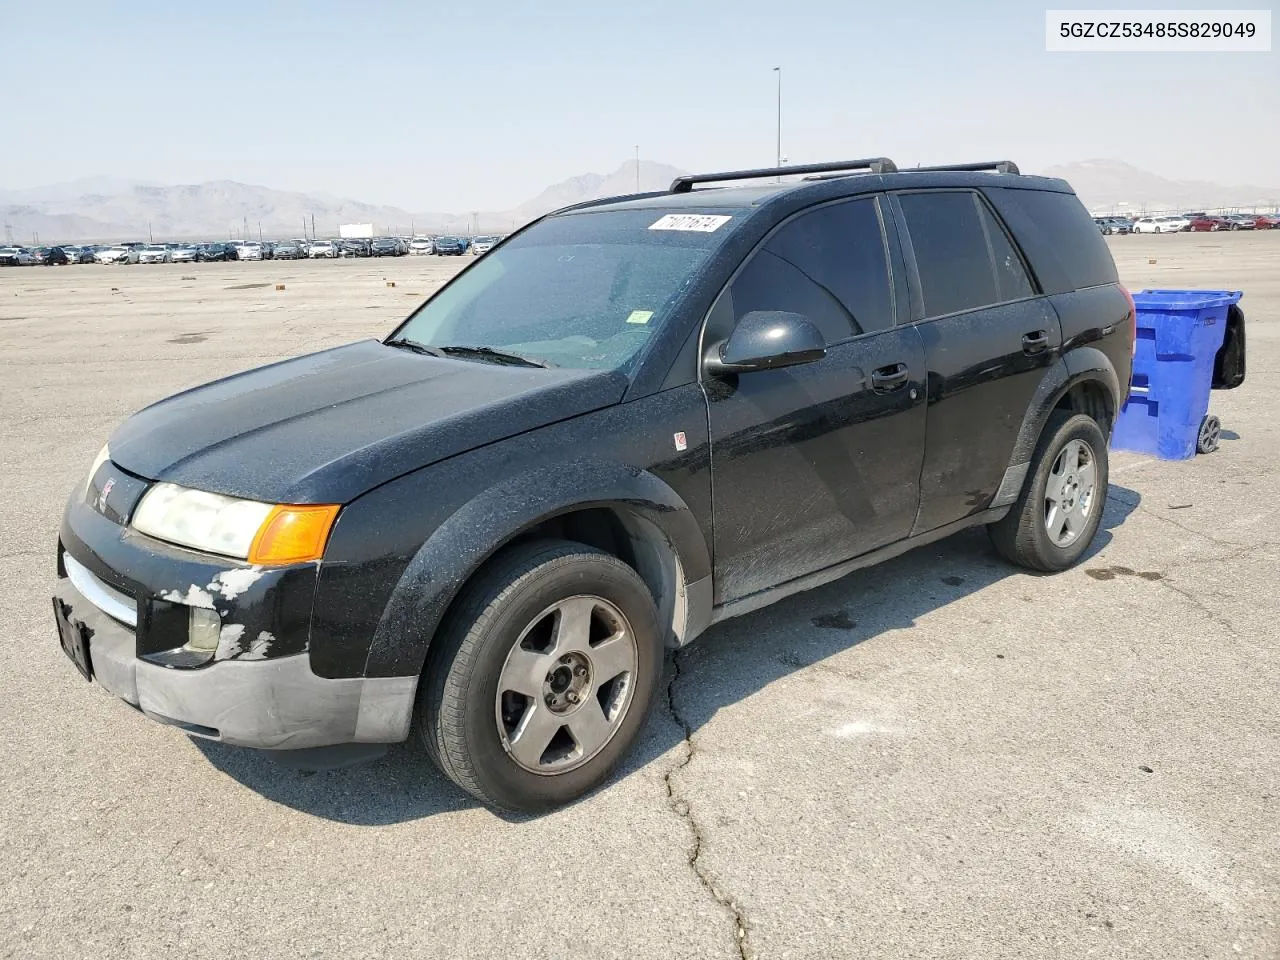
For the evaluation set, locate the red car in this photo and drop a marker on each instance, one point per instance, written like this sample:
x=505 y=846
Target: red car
x=1267 y=221
x=1203 y=224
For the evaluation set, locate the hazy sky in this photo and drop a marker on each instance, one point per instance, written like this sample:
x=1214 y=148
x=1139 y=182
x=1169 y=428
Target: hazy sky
x=454 y=106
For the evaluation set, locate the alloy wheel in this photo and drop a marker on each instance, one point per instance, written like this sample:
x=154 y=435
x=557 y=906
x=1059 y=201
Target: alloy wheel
x=566 y=685
x=1069 y=493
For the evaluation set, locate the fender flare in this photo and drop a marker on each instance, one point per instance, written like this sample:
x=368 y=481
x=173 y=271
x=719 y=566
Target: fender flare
x=482 y=526
x=1079 y=365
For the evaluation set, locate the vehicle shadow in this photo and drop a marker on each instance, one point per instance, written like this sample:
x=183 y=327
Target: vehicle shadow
x=728 y=663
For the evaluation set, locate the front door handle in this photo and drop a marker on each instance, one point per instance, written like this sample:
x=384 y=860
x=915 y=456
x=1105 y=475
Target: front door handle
x=890 y=378
x=1036 y=342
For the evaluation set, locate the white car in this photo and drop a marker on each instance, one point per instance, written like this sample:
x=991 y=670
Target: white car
x=322 y=248
x=1161 y=224
x=116 y=254
x=482 y=245
x=154 y=253
x=17 y=257
x=421 y=246
x=183 y=254
x=248 y=251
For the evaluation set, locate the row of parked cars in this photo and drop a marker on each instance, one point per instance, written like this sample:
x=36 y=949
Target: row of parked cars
x=1189 y=222
x=297 y=249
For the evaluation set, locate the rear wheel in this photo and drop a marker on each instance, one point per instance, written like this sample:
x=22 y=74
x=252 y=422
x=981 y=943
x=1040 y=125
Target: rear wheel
x=539 y=683
x=1055 y=519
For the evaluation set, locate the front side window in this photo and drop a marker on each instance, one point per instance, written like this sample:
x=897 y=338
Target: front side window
x=581 y=290
x=828 y=264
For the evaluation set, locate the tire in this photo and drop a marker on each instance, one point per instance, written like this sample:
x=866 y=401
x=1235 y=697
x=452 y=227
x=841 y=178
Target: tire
x=1210 y=434
x=1023 y=535
x=503 y=631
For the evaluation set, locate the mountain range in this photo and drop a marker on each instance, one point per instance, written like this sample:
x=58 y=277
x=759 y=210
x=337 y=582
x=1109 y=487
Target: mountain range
x=107 y=208
x=103 y=208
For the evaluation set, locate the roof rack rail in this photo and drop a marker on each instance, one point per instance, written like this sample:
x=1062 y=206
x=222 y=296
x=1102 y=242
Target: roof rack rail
x=598 y=201
x=997 y=166
x=874 y=164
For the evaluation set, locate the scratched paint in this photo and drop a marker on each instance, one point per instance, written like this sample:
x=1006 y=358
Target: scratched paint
x=229 y=642
x=259 y=647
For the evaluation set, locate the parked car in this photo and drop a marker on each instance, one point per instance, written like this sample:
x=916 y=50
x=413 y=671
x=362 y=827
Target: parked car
x=485 y=529
x=154 y=253
x=1160 y=225
x=1240 y=221
x=354 y=247
x=388 y=247
x=482 y=245
x=1206 y=223
x=1267 y=221
x=287 y=250
x=184 y=253
x=449 y=247
x=1113 y=225
x=421 y=246
x=214 y=252
x=17 y=257
x=249 y=251
x=116 y=253
x=322 y=248
x=56 y=256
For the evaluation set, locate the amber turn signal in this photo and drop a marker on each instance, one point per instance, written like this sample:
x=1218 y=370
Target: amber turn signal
x=293 y=534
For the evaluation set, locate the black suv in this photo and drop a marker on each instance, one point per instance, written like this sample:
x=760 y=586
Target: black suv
x=630 y=420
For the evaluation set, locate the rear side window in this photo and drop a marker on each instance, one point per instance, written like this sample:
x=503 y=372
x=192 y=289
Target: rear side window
x=1066 y=249
x=950 y=244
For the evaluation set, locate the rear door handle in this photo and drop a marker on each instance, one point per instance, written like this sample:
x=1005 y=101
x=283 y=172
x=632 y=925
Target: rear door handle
x=1036 y=342
x=890 y=378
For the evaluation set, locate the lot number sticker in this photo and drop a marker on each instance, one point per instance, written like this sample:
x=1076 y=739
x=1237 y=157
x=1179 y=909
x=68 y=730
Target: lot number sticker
x=697 y=222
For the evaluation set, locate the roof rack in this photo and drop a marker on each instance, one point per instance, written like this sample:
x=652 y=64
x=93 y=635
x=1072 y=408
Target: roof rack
x=874 y=164
x=997 y=166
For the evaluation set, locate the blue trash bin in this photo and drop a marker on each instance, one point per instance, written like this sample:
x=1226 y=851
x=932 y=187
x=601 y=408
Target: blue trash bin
x=1179 y=335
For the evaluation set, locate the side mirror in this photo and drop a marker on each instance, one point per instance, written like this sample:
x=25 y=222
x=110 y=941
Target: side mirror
x=767 y=340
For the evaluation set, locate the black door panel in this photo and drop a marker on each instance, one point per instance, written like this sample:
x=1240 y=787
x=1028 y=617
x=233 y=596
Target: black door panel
x=812 y=464
x=981 y=378
x=816 y=463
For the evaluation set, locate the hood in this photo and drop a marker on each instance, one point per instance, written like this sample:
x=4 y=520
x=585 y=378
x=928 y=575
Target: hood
x=326 y=427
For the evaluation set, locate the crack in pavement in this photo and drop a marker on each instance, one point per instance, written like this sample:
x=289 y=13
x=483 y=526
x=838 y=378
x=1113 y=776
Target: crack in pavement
x=680 y=806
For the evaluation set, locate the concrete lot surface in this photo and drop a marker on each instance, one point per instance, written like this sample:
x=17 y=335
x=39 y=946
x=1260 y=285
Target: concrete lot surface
x=938 y=757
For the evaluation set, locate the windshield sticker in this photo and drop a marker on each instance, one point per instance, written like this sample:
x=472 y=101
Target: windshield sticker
x=697 y=222
x=640 y=316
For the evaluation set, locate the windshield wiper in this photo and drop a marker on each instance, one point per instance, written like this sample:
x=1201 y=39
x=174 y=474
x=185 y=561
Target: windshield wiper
x=490 y=354
x=406 y=344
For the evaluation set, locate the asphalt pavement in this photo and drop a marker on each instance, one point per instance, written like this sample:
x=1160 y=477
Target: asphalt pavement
x=938 y=757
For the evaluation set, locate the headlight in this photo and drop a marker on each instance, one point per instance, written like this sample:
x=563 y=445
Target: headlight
x=261 y=533
x=103 y=456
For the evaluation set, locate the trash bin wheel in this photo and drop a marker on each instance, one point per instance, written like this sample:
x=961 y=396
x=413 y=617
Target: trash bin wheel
x=1210 y=433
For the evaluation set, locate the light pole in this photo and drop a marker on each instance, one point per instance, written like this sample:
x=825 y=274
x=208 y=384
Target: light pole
x=778 y=71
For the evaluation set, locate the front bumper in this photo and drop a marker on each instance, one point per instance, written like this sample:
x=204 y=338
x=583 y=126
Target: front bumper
x=132 y=594
x=270 y=704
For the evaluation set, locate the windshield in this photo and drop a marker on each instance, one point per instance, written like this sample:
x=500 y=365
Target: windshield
x=583 y=290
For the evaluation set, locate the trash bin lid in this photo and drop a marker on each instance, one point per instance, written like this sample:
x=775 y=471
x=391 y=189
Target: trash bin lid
x=1186 y=299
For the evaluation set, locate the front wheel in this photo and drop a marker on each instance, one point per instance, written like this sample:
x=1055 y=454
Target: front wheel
x=542 y=677
x=1055 y=519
